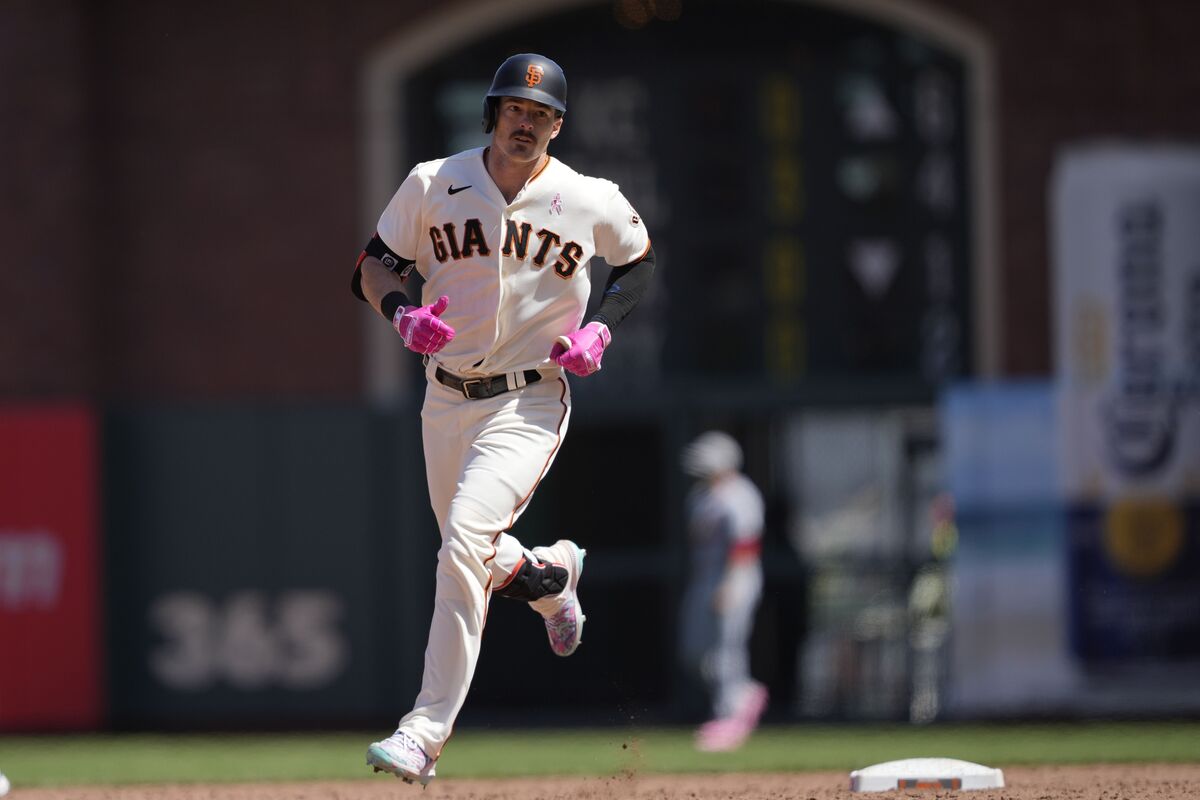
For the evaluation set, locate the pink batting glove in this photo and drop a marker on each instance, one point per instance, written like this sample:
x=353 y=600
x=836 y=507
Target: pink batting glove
x=420 y=327
x=580 y=352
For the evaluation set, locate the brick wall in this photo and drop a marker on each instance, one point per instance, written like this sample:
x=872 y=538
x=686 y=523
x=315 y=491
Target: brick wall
x=46 y=219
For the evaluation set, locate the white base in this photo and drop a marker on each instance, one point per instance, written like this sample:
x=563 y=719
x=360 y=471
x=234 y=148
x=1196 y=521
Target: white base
x=4 y=785
x=925 y=773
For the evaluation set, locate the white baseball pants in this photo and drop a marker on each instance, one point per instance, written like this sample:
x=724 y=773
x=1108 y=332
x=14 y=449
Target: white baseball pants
x=483 y=460
x=729 y=669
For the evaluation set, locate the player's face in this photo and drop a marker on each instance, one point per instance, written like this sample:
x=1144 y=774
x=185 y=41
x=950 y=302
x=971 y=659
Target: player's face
x=524 y=128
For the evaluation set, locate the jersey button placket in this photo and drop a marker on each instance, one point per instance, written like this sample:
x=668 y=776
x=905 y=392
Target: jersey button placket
x=499 y=251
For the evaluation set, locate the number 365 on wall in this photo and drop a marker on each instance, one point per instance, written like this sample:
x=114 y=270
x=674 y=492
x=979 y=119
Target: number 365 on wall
x=248 y=641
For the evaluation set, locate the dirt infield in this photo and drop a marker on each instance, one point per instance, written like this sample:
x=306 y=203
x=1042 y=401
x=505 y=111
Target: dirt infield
x=1088 y=782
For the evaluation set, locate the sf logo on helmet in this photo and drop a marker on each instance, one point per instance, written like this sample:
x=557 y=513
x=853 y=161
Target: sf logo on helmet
x=533 y=76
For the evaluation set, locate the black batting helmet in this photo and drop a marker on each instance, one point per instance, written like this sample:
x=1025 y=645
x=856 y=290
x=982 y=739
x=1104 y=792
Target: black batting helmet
x=530 y=76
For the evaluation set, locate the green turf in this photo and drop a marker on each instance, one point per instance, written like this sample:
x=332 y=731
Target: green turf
x=120 y=759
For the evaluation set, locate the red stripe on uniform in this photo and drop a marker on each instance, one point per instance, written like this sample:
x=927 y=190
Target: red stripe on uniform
x=749 y=548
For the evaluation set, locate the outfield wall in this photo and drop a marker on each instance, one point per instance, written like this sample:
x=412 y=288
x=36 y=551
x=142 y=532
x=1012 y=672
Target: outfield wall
x=272 y=567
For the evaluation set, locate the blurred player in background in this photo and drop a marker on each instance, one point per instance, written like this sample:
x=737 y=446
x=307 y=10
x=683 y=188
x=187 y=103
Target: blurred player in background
x=725 y=522
x=498 y=241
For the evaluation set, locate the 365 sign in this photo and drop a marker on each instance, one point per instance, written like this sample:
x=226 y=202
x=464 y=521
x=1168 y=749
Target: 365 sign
x=248 y=640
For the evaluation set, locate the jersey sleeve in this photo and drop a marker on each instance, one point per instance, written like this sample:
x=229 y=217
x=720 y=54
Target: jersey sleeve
x=400 y=224
x=745 y=512
x=621 y=236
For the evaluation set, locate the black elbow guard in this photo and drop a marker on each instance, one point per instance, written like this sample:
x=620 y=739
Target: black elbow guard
x=378 y=249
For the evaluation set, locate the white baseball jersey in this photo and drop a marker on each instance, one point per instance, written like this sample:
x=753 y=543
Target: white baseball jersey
x=721 y=519
x=517 y=274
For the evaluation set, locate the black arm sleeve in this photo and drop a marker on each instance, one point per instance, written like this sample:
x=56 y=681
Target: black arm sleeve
x=624 y=289
x=376 y=248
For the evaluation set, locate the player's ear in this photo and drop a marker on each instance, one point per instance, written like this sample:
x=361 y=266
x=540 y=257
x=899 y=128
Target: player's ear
x=557 y=127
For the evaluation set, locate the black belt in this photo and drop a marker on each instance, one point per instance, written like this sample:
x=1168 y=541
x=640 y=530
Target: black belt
x=479 y=388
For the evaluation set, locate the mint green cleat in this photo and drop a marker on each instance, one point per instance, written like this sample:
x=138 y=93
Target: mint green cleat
x=402 y=756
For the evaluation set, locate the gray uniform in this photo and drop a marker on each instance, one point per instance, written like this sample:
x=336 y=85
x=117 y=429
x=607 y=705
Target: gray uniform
x=725 y=521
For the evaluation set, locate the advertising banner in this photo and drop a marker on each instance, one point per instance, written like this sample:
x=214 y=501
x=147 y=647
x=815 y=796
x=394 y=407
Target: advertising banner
x=1126 y=232
x=50 y=652
x=1009 y=651
x=258 y=571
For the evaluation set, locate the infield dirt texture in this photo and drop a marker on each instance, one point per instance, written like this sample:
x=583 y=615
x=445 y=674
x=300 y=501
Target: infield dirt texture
x=1079 y=782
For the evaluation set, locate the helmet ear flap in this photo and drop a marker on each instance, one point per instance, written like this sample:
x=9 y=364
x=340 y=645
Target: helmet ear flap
x=489 y=114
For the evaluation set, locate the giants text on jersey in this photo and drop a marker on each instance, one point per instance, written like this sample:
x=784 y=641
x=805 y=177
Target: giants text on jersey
x=474 y=247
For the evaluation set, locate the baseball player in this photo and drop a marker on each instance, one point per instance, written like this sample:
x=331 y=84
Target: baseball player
x=725 y=521
x=498 y=241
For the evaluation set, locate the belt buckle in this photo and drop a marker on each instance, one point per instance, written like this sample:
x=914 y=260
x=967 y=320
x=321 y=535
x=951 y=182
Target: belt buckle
x=466 y=390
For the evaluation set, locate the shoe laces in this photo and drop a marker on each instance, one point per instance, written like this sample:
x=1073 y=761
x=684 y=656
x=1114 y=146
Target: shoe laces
x=410 y=746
